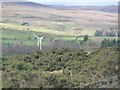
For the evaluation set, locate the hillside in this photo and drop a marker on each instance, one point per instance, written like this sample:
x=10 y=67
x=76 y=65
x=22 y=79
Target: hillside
x=59 y=68
x=107 y=8
x=68 y=20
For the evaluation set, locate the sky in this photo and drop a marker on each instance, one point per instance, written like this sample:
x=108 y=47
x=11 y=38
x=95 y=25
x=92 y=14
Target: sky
x=74 y=0
x=71 y=2
x=77 y=2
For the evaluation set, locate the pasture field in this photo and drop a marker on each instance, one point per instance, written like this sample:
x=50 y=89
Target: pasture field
x=23 y=37
x=17 y=37
x=26 y=37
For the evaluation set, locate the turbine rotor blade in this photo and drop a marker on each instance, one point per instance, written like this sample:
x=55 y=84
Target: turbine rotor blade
x=35 y=36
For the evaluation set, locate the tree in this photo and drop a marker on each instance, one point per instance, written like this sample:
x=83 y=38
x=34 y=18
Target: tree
x=118 y=42
x=109 y=43
x=115 y=42
x=85 y=38
x=98 y=33
x=103 y=43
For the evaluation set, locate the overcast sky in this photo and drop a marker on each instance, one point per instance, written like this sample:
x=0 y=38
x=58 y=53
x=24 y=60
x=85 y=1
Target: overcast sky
x=71 y=2
x=74 y=0
x=77 y=2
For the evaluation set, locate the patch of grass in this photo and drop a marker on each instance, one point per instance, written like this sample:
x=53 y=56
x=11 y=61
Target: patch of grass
x=27 y=28
x=20 y=37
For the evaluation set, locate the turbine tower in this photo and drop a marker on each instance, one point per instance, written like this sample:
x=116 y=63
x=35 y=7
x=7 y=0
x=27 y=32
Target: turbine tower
x=39 y=43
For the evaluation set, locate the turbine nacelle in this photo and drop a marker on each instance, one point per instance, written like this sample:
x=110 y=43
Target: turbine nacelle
x=38 y=37
x=41 y=37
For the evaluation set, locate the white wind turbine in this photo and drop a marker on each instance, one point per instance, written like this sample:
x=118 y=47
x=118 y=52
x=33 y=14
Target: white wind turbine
x=39 y=43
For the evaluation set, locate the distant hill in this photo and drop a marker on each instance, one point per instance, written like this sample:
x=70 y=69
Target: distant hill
x=107 y=8
x=104 y=8
x=32 y=4
x=73 y=20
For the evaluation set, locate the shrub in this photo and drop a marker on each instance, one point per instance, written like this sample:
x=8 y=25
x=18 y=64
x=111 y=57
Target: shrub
x=23 y=66
x=85 y=37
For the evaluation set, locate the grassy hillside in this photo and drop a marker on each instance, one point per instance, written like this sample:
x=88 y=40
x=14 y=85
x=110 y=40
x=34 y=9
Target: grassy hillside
x=59 y=68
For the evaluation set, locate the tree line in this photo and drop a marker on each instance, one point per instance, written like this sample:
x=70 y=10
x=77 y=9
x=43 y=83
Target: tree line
x=110 y=43
x=106 y=33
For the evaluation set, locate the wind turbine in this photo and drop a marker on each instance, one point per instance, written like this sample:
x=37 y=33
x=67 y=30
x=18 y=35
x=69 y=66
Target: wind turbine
x=39 y=43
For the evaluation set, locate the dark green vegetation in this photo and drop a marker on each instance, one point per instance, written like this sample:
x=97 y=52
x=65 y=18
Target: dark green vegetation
x=86 y=37
x=110 y=43
x=59 y=68
x=107 y=33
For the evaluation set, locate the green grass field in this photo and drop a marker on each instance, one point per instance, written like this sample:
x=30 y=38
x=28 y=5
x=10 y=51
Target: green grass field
x=16 y=37
x=20 y=37
x=27 y=38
